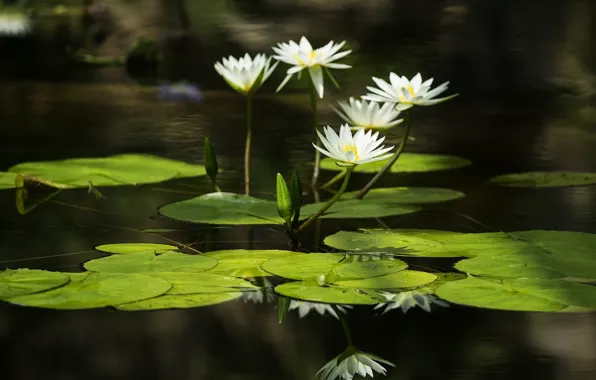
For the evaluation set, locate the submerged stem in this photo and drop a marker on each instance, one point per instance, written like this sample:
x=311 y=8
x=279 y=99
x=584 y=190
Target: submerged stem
x=326 y=206
x=344 y=324
x=247 y=144
x=315 y=117
x=394 y=158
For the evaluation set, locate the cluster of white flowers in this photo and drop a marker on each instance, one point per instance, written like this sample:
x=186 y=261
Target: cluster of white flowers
x=379 y=109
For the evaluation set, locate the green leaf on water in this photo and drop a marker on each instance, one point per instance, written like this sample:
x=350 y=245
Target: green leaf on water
x=92 y=290
x=356 y=208
x=519 y=294
x=545 y=179
x=7 y=180
x=124 y=169
x=311 y=291
x=136 y=247
x=326 y=267
x=401 y=195
x=192 y=283
x=399 y=242
x=245 y=263
x=19 y=282
x=142 y=262
x=403 y=279
x=407 y=163
x=179 y=301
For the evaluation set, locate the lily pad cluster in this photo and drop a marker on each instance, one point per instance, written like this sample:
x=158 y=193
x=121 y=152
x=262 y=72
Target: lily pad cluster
x=523 y=270
x=118 y=170
x=141 y=276
x=235 y=209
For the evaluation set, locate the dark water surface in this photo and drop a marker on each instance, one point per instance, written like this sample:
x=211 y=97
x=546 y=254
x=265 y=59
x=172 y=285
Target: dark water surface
x=106 y=113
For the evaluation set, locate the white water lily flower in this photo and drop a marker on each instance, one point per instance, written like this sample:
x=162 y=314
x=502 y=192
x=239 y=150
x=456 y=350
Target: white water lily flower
x=361 y=148
x=350 y=363
x=368 y=115
x=407 y=300
x=303 y=56
x=245 y=74
x=406 y=93
x=322 y=308
x=14 y=23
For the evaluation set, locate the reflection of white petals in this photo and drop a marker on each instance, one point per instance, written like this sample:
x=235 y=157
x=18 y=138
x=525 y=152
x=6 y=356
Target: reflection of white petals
x=407 y=300
x=322 y=308
x=14 y=23
x=245 y=74
x=349 y=364
x=369 y=115
x=360 y=148
x=303 y=56
x=406 y=93
x=258 y=295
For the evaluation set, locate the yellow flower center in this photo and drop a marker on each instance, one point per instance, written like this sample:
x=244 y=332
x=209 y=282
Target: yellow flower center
x=311 y=56
x=409 y=88
x=353 y=150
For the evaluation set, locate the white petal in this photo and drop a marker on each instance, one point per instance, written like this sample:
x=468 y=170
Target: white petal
x=316 y=76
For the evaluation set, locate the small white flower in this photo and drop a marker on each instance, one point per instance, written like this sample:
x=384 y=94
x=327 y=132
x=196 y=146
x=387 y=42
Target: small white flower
x=303 y=56
x=245 y=74
x=373 y=115
x=406 y=93
x=350 y=363
x=14 y=23
x=407 y=300
x=322 y=308
x=361 y=148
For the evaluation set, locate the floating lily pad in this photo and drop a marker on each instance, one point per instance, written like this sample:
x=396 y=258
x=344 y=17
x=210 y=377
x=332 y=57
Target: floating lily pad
x=519 y=294
x=192 y=283
x=399 y=242
x=124 y=169
x=356 y=208
x=545 y=179
x=20 y=282
x=147 y=262
x=407 y=195
x=245 y=263
x=7 y=180
x=403 y=279
x=136 y=248
x=92 y=290
x=223 y=208
x=328 y=267
x=407 y=163
x=312 y=292
x=179 y=301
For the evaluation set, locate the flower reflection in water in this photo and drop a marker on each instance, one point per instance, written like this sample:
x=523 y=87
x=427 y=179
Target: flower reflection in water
x=179 y=92
x=322 y=308
x=407 y=300
x=350 y=363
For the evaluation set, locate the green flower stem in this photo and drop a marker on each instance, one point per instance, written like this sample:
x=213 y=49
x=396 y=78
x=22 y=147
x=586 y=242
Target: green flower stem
x=315 y=118
x=248 y=143
x=334 y=180
x=344 y=325
x=394 y=158
x=330 y=202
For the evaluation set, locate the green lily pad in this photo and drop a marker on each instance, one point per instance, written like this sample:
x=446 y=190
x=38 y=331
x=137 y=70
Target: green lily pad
x=136 y=248
x=519 y=294
x=407 y=163
x=192 y=283
x=20 y=282
x=545 y=179
x=142 y=262
x=245 y=263
x=403 y=279
x=124 y=169
x=7 y=180
x=312 y=292
x=92 y=290
x=407 y=195
x=223 y=208
x=328 y=267
x=356 y=208
x=399 y=242
x=179 y=301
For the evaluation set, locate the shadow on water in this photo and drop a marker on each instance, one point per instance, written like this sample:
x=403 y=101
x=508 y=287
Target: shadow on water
x=484 y=50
